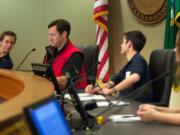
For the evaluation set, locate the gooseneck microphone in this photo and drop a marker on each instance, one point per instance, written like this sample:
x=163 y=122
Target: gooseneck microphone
x=32 y=50
x=88 y=121
x=86 y=72
x=88 y=105
x=136 y=93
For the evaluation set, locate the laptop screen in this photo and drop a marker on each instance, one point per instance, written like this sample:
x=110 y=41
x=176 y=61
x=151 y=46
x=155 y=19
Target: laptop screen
x=47 y=118
x=45 y=70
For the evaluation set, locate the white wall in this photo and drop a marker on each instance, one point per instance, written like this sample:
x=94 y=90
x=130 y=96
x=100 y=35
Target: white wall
x=29 y=19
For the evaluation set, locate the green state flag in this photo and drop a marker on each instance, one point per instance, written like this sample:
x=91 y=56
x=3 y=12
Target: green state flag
x=172 y=23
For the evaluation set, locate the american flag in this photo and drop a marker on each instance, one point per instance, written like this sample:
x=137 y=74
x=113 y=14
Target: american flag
x=100 y=16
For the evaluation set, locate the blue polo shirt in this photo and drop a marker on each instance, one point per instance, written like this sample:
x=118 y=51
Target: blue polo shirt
x=136 y=65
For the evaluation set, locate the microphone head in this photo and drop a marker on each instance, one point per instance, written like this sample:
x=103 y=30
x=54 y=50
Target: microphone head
x=34 y=49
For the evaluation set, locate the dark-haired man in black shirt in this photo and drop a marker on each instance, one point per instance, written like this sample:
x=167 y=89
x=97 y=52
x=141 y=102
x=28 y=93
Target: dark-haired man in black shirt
x=7 y=42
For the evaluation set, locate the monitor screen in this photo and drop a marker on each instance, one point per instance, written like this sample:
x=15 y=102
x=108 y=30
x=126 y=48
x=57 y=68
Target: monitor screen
x=45 y=70
x=47 y=118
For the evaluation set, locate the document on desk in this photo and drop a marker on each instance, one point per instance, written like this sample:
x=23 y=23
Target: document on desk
x=86 y=97
x=100 y=100
x=125 y=118
x=105 y=103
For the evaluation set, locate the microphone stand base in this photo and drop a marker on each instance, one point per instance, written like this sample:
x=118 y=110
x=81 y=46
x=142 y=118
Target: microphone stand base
x=76 y=123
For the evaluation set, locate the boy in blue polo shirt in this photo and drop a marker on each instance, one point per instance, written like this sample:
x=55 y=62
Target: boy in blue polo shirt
x=133 y=75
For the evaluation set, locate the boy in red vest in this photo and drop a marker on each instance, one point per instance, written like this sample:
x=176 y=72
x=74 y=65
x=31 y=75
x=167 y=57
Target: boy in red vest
x=63 y=55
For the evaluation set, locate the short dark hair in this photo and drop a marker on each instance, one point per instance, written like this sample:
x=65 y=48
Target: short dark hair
x=8 y=33
x=137 y=38
x=62 y=25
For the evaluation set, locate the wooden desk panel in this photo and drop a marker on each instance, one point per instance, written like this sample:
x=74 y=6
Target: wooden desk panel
x=28 y=88
x=10 y=85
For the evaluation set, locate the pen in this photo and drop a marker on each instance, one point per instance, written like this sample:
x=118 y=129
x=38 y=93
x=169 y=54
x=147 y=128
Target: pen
x=99 y=83
x=128 y=116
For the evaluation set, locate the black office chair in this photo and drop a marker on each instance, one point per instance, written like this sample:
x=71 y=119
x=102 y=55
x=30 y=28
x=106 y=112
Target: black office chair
x=162 y=60
x=90 y=61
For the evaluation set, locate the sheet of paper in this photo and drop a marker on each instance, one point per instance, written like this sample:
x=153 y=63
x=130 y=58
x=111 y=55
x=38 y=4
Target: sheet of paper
x=101 y=101
x=86 y=97
x=105 y=103
x=124 y=118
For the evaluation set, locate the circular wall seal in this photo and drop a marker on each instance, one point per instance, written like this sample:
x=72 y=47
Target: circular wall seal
x=149 y=11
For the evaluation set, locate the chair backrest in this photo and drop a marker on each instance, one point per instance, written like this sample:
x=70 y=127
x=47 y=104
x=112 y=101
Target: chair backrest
x=90 y=53
x=162 y=60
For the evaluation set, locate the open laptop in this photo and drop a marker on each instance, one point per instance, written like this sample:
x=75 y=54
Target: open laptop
x=45 y=70
x=46 y=118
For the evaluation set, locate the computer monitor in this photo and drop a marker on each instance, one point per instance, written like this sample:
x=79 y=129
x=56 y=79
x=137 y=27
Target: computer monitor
x=45 y=70
x=46 y=118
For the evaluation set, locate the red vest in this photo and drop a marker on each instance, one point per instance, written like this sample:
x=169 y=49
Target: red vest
x=61 y=60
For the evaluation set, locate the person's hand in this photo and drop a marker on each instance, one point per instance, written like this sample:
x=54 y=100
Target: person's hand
x=107 y=91
x=88 y=88
x=147 y=113
x=62 y=81
x=91 y=90
x=147 y=106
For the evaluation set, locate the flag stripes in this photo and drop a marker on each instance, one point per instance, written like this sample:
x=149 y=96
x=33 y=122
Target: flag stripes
x=101 y=19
